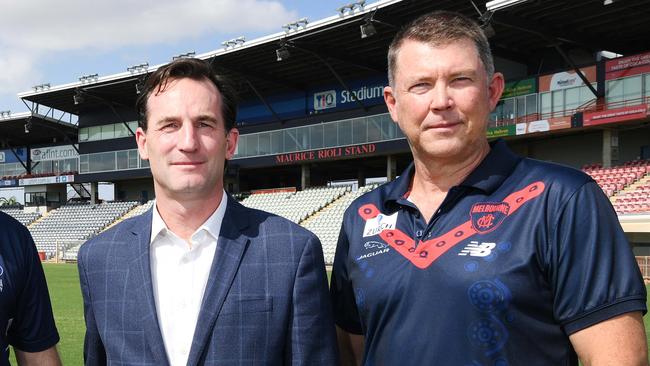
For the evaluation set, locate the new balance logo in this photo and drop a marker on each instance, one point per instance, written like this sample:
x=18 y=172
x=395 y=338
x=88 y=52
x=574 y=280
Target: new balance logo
x=475 y=249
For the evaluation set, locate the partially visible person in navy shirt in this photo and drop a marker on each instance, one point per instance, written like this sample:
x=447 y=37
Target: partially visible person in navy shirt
x=26 y=320
x=475 y=256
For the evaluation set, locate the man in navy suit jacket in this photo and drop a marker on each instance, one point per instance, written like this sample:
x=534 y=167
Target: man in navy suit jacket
x=200 y=279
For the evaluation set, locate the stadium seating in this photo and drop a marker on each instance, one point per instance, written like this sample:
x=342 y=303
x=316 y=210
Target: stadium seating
x=73 y=223
x=295 y=206
x=23 y=217
x=326 y=224
x=138 y=210
x=627 y=185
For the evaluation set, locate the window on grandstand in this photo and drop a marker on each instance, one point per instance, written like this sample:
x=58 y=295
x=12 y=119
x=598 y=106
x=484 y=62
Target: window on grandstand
x=564 y=102
x=56 y=166
x=340 y=133
x=11 y=169
x=514 y=110
x=111 y=161
x=107 y=132
x=627 y=91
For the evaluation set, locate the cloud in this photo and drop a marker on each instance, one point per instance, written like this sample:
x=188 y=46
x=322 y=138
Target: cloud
x=35 y=32
x=76 y=24
x=16 y=70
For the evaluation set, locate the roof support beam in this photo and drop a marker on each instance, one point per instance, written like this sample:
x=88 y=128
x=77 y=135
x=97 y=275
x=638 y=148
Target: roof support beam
x=336 y=74
x=110 y=104
x=266 y=103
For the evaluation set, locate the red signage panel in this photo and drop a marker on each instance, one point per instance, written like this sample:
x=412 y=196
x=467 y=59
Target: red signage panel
x=615 y=115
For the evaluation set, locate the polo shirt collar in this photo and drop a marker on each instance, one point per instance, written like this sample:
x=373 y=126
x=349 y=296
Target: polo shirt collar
x=488 y=175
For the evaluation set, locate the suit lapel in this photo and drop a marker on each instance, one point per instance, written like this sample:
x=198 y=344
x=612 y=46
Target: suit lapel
x=141 y=267
x=230 y=250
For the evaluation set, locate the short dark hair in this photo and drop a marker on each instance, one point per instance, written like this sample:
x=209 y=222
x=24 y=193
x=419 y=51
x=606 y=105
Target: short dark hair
x=441 y=28
x=194 y=69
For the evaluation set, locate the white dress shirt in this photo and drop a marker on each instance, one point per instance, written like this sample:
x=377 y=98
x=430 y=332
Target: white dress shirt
x=179 y=274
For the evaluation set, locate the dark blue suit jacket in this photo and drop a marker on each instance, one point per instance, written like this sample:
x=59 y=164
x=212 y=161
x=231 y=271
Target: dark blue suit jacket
x=266 y=301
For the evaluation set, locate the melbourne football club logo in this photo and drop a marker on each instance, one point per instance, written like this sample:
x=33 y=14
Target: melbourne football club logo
x=487 y=216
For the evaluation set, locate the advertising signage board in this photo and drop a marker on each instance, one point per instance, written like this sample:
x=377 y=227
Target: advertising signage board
x=332 y=98
x=615 y=115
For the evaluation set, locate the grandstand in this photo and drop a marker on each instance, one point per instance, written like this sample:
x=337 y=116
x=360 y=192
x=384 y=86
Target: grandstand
x=70 y=224
x=317 y=116
x=296 y=206
x=24 y=217
x=327 y=222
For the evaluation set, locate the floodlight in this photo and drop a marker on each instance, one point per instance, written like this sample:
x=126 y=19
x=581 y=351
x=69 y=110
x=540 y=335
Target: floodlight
x=28 y=124
x=282 y=53
x=495 y=5
x=184 y=55
x=88 y=78
x=78 y=97
x=300 y=23
x=367 y=29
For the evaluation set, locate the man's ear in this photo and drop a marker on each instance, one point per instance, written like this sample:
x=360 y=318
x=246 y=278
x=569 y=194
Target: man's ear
x=232 y=137
x=141 y=140
x=495 y=89
x=391 y=102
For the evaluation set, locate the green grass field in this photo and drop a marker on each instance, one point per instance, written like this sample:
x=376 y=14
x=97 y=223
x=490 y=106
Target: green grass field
x=63 y=282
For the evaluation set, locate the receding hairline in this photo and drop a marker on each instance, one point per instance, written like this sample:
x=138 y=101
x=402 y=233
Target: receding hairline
x=434 y=44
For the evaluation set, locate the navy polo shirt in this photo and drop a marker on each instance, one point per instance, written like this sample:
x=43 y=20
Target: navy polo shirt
x=518 y=256
x=26 y=320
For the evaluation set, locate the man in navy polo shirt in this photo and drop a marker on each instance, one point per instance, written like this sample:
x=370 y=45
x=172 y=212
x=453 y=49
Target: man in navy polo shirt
x=475 y=256
x=26 y=320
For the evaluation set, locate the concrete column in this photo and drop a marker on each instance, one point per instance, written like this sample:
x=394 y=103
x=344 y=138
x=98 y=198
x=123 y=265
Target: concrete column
x=94 y=192
x=304 y=176
x=391 y=167
x=610 y=148
x=361 y=178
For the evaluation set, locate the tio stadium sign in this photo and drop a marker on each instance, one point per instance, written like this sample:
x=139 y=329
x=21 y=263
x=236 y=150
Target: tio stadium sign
x=325 y=154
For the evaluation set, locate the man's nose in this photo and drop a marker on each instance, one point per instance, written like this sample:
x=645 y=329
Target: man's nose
x=441 y=99
x=188 y=139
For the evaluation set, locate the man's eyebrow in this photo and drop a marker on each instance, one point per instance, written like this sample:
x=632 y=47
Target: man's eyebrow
x=165 y=120
x=469 y=72
x=207 y=117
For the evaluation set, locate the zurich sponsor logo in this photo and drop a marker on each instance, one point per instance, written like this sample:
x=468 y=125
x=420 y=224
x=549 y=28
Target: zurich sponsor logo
x=379 y=248
x=380 y=223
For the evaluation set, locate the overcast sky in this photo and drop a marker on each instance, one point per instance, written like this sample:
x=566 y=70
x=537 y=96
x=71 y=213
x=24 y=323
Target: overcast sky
x=46 y=41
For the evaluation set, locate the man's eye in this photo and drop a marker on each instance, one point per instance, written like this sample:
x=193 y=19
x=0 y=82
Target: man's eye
x=419 y=88
x=462 y=79
x=169 y=126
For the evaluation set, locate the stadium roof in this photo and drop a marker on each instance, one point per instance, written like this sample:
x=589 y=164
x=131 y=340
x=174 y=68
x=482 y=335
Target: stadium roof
x=331 y=49
x=27 y=129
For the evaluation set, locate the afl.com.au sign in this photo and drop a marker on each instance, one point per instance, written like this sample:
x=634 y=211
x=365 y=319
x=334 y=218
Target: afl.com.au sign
x=54 y=153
